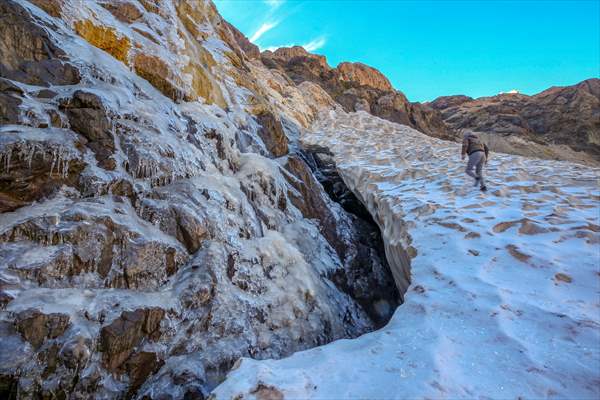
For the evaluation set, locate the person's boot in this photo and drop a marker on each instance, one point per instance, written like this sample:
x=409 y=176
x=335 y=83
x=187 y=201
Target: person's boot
x=483 y=188
x=476 y=182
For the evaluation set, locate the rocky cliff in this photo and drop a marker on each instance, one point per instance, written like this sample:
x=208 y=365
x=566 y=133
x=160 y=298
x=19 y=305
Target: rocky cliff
x=357 y=87
x=560 y=122
x=159 y=217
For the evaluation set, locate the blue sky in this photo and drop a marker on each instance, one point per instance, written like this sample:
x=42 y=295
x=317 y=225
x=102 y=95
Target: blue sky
x=434 y=48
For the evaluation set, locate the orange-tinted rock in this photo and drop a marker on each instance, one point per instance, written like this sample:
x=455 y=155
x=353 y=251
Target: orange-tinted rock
x=250 y=49
x=52 y=7
x=363 y=75
x=157 y=72
x=104 y=38
x=355 y=87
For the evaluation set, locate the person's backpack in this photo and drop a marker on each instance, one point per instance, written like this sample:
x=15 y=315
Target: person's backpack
x=475 y=144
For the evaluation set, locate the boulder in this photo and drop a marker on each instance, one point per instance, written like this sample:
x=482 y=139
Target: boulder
x=139 y=367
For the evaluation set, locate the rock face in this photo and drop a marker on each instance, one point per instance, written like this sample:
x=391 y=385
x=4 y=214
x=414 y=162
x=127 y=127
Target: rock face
x=363 y=75
x=357 y=87
x=249 y=48
x=159 y=218
x=558 y=122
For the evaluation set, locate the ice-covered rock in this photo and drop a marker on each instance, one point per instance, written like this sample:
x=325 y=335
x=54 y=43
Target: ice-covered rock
x=156 y=209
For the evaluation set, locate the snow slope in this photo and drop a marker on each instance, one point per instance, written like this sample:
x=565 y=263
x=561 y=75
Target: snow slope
x=504 y=300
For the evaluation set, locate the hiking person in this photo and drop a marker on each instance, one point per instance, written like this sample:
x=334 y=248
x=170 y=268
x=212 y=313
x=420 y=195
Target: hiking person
x=478 y=153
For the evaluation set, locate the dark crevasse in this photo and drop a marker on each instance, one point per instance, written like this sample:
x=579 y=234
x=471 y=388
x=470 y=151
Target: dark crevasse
x=369 y=263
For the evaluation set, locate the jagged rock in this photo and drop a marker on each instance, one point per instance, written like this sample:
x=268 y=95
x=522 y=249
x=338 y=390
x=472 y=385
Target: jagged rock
x=309 y=199
x=52 y=7
x=139 y=367
x=357 y=87
x=28 y=54
x=88 y=117
x=35 y=327
x=124 y=11
x=363 y=75
x=558 y=116
x=35 y=169
x=173 y=202
x=123 y=335
x=76 y=352
x=157 y=72
x=272 y=134
x=250 y=49
x=10 y=99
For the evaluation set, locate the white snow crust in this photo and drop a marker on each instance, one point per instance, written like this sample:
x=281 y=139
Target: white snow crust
x=504 y=299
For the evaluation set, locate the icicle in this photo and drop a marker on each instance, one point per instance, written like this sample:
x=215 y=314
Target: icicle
x=53 y=161
x=7 y=160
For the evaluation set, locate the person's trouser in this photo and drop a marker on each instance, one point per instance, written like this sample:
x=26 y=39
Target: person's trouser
x=476 y=160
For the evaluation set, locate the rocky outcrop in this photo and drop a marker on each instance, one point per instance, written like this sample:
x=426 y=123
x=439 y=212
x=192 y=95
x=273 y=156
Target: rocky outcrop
x=36 y=327
x=363 y=75
x=123 y=335
x=557 y=122
x=357 y=87
x=271 y=132
x=28 y=54
x=250 y=49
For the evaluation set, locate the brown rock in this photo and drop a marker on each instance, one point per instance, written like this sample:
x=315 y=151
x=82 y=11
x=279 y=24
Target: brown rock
x=119 y=339
x=36 y=327
x=10 y=99
x=363 y=75
x=29 y=179
x=563 y=277
x=28 y=54
x=557 y=116
x=124 y=11
x=88 y=117
x=271 y=132
x=158 y=73
x=52 y=7
x=266 y=392
x=356 y=86
x=139 y=367
x=250 y=49
x=516 y=253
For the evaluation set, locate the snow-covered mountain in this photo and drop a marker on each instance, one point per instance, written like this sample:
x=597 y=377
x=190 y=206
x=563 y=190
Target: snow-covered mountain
x=171 y=205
